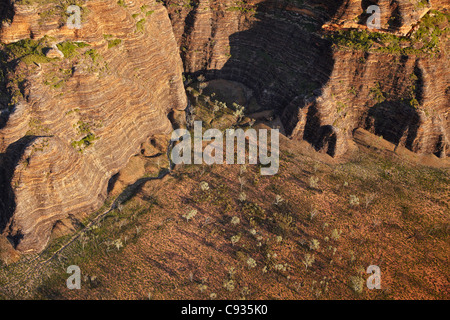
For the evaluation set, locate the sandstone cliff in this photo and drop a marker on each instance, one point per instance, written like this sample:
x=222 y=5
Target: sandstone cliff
x=77 y=104
x=69 y=124
x=324 y=87
x=397 y=16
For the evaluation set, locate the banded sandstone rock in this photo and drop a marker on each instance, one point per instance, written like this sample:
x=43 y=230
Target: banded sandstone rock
x=78 y=120
x=323 y=93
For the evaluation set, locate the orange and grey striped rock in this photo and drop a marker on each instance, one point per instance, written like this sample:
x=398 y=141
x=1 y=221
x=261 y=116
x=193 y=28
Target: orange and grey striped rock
x=122 y=99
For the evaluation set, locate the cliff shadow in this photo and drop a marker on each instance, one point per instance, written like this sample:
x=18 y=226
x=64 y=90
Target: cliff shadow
x=5 y=96
x=395 y=121
x=6 y=16
x=321 y=137
x=8 y=161
x=364 y=15
x=6 y=12
x=282 y=57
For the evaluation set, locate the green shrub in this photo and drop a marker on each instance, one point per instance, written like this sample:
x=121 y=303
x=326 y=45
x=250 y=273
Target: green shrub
x=68 y=48
x=28 y=51
x=82 y=144
x=425 y=40
x=140 y=25
x=93 y=54
x=113 y=43
x=377 y=93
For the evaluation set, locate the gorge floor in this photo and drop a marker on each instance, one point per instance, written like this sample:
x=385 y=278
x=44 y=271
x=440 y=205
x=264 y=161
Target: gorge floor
x=310 y=232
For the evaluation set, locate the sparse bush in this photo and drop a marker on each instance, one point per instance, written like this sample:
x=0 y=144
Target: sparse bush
x=229 y=285
x=313 y=182
x=82 y=144
x=251 y=262
x=314 y=245
x=216 y=108
x=140 y=25
x=239 y=111
x=316 y=166
x=357 y=284
x=222 y=105
x=191 y=214
x=377 y=93
x=235 y=220
x=202 y=287
x=313 y=213
x=113 y=43
x=242 y=197
x=279 y=267
x=352 y=256
x=204 y=186
x=231 y=272
x=369 y=199
x=245 y=291
x=308 y=260
x=335 y=234
x=354 y=200
x=235 y=239
x=278 y=200
x=118 y=244
x=242 y=182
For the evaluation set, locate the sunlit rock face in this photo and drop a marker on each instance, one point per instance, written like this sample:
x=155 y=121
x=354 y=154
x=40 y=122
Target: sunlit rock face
x=70 y=124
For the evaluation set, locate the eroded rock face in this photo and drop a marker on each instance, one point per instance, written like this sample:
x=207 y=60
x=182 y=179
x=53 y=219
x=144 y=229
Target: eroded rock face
x=398 y=16
x=75 y=122
x=67 y=125
x=349 y=101
x=322 y=92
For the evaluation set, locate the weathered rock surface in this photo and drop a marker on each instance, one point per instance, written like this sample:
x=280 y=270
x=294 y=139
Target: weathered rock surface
x=67 y=125
x=54 y=52
x=277 y=49
x=77 y=121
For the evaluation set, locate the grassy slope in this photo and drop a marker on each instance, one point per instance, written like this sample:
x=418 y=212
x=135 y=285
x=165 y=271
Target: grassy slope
x=400 y=224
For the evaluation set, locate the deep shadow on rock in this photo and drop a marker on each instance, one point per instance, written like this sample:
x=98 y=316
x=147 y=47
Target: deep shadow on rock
x=394 y=121
x=8 y=161
x=284 y=62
